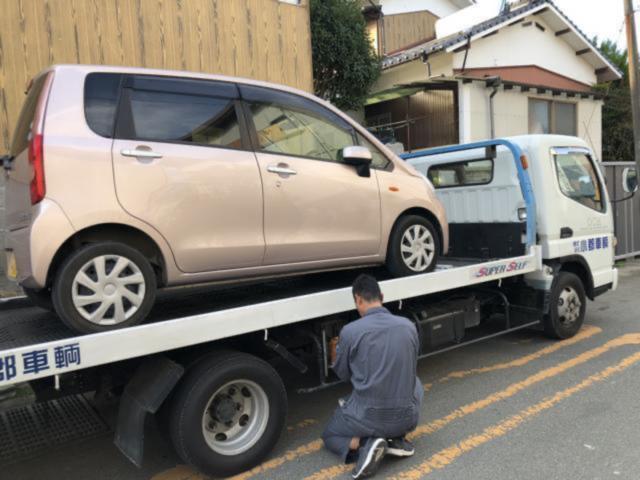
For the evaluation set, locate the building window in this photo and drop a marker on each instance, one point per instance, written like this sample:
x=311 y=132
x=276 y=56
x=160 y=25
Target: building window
x=546 y=116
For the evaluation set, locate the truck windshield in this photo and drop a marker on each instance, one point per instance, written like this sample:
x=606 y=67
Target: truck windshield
x=578 y=180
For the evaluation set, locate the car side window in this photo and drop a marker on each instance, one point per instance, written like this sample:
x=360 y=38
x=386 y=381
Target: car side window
x=299 y=133
x=293 y=125
x=101 y=92
x=176 y=116
x=578 y=180
x=461 y=174
x=378 y=159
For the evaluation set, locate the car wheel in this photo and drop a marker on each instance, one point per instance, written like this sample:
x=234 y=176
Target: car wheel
x=413 y=247
x=568 y=304
x=104 y=286
x=227 y=413
x=40 y=298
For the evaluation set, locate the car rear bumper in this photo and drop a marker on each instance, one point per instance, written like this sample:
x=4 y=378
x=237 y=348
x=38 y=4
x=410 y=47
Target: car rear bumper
x=34 y=247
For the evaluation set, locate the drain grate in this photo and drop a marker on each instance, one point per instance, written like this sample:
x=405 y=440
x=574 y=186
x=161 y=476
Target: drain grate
x=27 y=431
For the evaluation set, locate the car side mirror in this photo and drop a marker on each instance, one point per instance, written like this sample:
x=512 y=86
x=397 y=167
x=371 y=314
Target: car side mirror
x=630 y=180
x=359 y=157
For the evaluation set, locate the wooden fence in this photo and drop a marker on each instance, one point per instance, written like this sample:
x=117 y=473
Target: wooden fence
x=263 y=39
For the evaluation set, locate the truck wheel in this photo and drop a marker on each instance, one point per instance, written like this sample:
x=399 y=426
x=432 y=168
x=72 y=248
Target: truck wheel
x=413 y=247
x=227 y=413
x=104 y=286
x=568 y=304
x=40 y=298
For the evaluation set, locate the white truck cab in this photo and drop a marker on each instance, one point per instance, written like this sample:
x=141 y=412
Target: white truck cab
x=484 y=201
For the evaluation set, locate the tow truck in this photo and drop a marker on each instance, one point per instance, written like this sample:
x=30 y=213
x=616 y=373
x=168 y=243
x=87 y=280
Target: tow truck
x=532 y=239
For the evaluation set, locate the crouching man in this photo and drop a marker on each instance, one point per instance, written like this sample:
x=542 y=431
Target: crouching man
x=378 y=354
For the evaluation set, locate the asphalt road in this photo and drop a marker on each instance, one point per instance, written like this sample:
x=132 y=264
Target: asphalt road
x=516 y=407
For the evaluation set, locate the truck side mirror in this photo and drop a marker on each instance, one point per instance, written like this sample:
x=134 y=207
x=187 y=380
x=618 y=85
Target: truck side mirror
x=630 y=180
x=359 y=157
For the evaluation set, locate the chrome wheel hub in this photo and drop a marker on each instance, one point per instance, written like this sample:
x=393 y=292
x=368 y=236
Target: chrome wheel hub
x=108 y=290
x=569 y=306
x=417 y=248
x=236 y=417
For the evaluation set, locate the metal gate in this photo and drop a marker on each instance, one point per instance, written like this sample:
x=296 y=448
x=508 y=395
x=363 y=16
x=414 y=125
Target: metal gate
x=625 y=213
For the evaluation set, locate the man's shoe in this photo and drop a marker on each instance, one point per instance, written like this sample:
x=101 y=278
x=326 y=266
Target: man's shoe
x=400 y=447
x=369 y=458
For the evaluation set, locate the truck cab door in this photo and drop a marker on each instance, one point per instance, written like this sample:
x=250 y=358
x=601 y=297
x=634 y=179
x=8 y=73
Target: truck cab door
x=582 y=218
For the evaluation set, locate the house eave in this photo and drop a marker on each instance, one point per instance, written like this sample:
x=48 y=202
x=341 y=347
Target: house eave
x=605 y=70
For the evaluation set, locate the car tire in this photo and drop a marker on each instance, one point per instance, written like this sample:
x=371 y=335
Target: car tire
x=133 y=288
x=414 y=247
x=207 y=402
x=567 y=306
x=40 y=298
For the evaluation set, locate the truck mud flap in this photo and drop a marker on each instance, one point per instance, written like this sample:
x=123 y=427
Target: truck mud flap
x=146 y=391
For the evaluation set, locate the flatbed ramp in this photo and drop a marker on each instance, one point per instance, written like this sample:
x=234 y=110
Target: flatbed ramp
x=34 y=344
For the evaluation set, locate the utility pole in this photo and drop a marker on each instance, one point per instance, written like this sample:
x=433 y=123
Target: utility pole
x=634 y=76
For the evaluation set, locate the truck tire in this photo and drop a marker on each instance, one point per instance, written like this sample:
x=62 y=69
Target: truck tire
x=40 y=298
x=120 y=280
x=567 y=306
x=413 y=247
x=227 y=413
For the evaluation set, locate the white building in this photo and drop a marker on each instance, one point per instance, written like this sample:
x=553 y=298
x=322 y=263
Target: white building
x=454 y=71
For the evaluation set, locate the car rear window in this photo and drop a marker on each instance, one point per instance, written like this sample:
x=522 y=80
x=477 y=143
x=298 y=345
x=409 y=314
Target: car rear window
x=21 y=134
x=461 y=174
x=101 y=92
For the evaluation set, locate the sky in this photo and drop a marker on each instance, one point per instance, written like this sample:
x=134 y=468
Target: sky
x=603 y=18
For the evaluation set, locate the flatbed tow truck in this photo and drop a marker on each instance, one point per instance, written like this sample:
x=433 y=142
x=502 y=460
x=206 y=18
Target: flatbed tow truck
x=212 y=369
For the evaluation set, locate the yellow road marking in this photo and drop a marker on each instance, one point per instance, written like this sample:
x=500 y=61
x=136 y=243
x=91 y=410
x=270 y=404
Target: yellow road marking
x=301 y=451
x=446 y=456
x=586 y=332
x=510 y=391
x=302 y=424
x=316 y=445
x=181 y=472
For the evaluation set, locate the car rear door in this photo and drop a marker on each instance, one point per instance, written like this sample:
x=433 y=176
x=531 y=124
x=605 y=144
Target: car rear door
x=183 y=165
x=316 y=207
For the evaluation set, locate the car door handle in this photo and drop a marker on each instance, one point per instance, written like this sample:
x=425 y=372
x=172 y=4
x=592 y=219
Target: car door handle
x=140 y=153
x=281 y=170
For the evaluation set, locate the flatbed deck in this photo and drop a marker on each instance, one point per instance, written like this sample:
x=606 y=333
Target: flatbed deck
x=34 y=344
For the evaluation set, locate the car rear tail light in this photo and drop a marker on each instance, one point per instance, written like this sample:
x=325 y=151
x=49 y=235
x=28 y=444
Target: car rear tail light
x=36 y=159
x=36 y=145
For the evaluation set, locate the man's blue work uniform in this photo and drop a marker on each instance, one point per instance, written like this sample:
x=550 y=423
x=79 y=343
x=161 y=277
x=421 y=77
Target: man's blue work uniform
x=378 y=354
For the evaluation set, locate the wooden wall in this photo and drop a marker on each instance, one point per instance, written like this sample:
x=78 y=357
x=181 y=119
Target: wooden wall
x=262 y=39
x=408 y=29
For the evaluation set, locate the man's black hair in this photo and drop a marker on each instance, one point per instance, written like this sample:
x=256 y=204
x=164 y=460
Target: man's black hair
x=367 y=287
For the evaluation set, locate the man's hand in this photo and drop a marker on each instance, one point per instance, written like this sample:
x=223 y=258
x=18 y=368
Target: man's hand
x=333 y=345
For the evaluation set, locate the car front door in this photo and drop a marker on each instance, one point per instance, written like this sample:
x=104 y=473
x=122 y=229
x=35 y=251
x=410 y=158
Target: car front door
x=183 y=165
x=317 y=208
